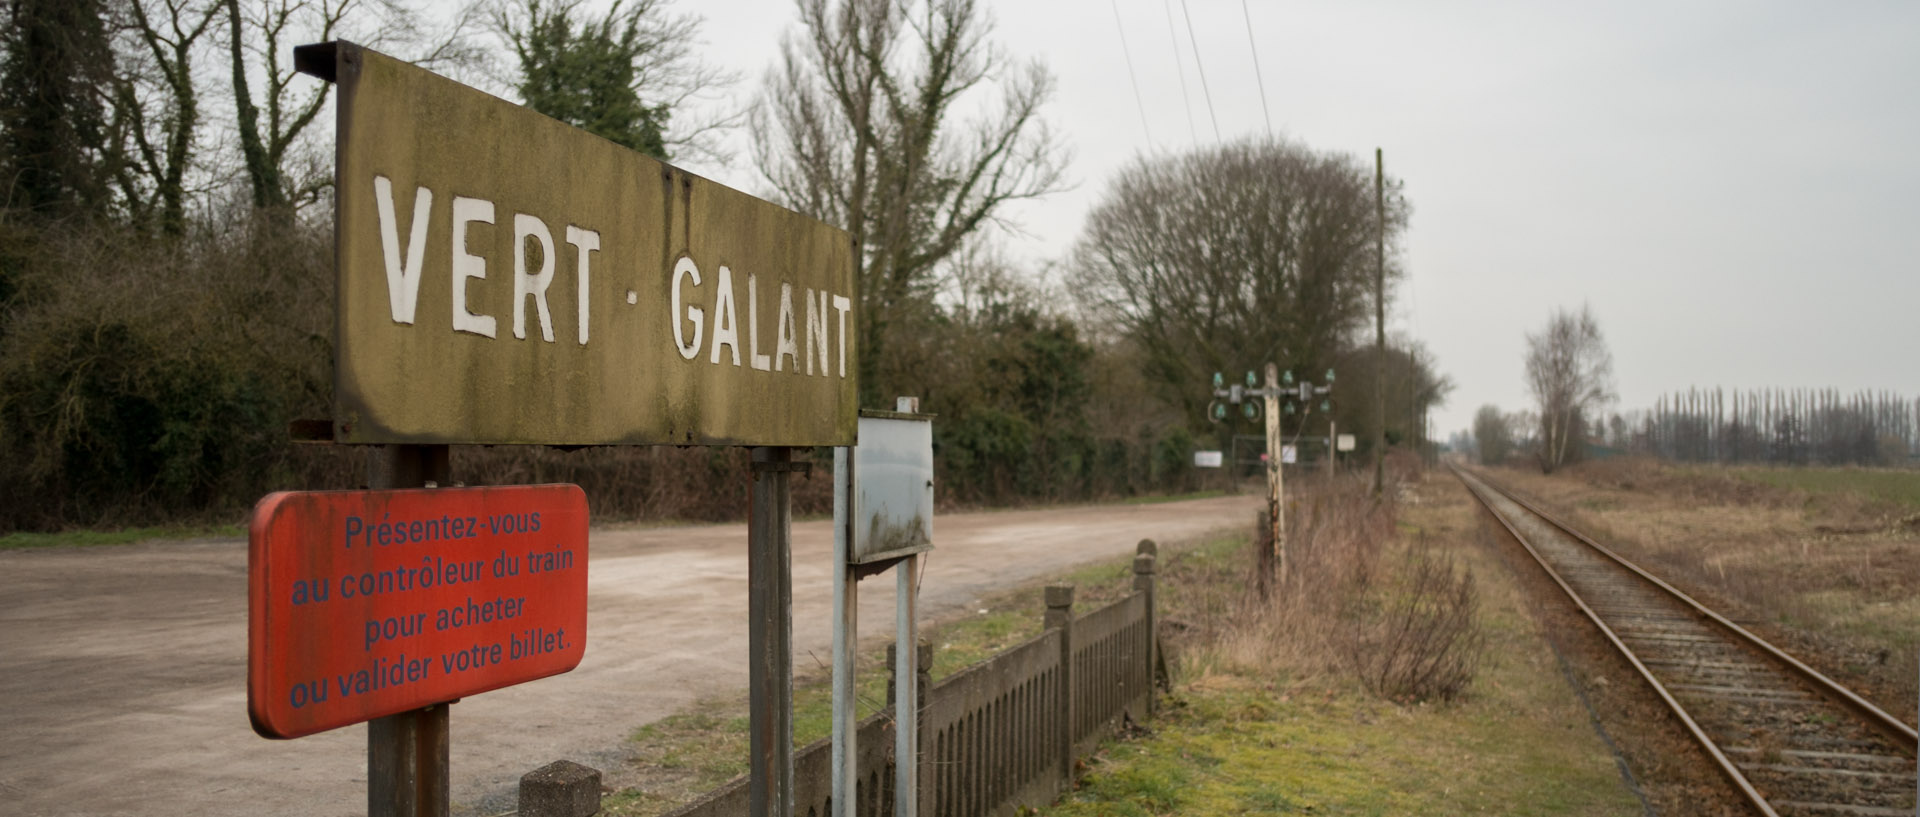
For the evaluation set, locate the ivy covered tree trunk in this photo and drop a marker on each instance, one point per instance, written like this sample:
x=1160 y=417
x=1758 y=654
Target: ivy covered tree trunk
x=263 y=174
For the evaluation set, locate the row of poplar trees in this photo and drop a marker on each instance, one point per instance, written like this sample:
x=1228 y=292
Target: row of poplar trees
x=1782 y=426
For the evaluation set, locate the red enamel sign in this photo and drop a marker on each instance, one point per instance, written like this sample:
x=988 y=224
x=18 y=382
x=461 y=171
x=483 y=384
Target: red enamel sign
x=367 y=603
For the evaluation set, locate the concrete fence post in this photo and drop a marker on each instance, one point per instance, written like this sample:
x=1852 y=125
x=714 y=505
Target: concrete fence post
x=1060 y=617
x=1144 y=557
x=923 y=677
x=562 y=788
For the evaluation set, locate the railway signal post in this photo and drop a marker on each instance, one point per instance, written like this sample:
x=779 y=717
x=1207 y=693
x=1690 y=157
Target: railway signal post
x=1273 y=559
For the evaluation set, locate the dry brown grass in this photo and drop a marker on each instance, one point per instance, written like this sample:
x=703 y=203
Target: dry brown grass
x=1405 y=627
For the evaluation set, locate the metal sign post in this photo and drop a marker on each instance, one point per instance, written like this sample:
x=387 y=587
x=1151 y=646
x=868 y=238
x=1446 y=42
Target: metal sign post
x=846 y=637
x=906 y=690
x=883 y=517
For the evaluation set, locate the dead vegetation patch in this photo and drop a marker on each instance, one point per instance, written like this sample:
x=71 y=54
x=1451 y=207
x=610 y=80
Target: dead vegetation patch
x=1405 y=627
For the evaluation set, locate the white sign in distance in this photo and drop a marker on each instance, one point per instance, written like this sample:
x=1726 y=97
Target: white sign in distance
x=1289 y=454
x=1344 y=443
x=1207 y=459
x=892 y=486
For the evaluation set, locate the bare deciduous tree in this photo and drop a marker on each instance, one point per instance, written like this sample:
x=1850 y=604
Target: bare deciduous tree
x=854 y=128
x=1233 y=256
x=1570 y=374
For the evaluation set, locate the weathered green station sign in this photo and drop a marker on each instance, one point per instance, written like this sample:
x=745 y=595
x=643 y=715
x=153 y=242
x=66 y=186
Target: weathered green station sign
x=506 y=278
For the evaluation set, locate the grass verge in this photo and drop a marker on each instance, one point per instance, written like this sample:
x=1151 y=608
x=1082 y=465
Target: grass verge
x=20 y=540
x=1294 y=731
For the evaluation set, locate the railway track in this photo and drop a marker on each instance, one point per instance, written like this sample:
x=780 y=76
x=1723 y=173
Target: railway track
x=1792 y=741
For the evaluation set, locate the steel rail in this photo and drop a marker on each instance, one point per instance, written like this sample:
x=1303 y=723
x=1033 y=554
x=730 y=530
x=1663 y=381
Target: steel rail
x=1903 y=736
x=1867 y=716
x=1720 y=759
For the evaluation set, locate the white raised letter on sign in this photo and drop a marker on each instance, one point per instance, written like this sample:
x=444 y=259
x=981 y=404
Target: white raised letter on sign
x=816 y=331
x=841 y=305
x=726 y=320
x=467 y=265
x=524 y=227
x=754 y=358
x=785 y=345
x=586 y=242
x=696 y=315
x=403 y=281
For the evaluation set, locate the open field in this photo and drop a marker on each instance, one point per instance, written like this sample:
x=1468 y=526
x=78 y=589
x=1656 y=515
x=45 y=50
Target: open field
x=1824 y=562
x=1899 y=487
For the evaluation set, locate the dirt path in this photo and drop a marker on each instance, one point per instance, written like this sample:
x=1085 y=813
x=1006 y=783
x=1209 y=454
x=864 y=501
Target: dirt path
x=123 y=670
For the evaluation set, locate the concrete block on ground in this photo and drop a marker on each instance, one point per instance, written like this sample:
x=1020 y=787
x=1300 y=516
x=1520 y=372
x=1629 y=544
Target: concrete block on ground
x=562 y=788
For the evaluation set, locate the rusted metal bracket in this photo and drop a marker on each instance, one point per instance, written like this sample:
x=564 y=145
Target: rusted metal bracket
x=311 y=432
x=864 y=570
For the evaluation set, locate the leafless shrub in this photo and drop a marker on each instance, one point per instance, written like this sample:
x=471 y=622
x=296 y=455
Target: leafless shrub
x=1405 y=627
x=1414 y=637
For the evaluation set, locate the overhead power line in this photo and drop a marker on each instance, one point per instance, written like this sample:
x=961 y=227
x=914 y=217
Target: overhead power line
x=1179 y=67
x=1256 y=67
x=1201 y=66
x=1138 y=103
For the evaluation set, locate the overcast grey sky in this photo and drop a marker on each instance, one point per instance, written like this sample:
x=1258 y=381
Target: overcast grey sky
x=1731 y=186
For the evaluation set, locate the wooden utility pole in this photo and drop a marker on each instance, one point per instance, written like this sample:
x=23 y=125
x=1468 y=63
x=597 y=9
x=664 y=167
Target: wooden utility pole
x=1333 y=445
x=1276 y=509
x=1379 y=323
x=770 y=633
